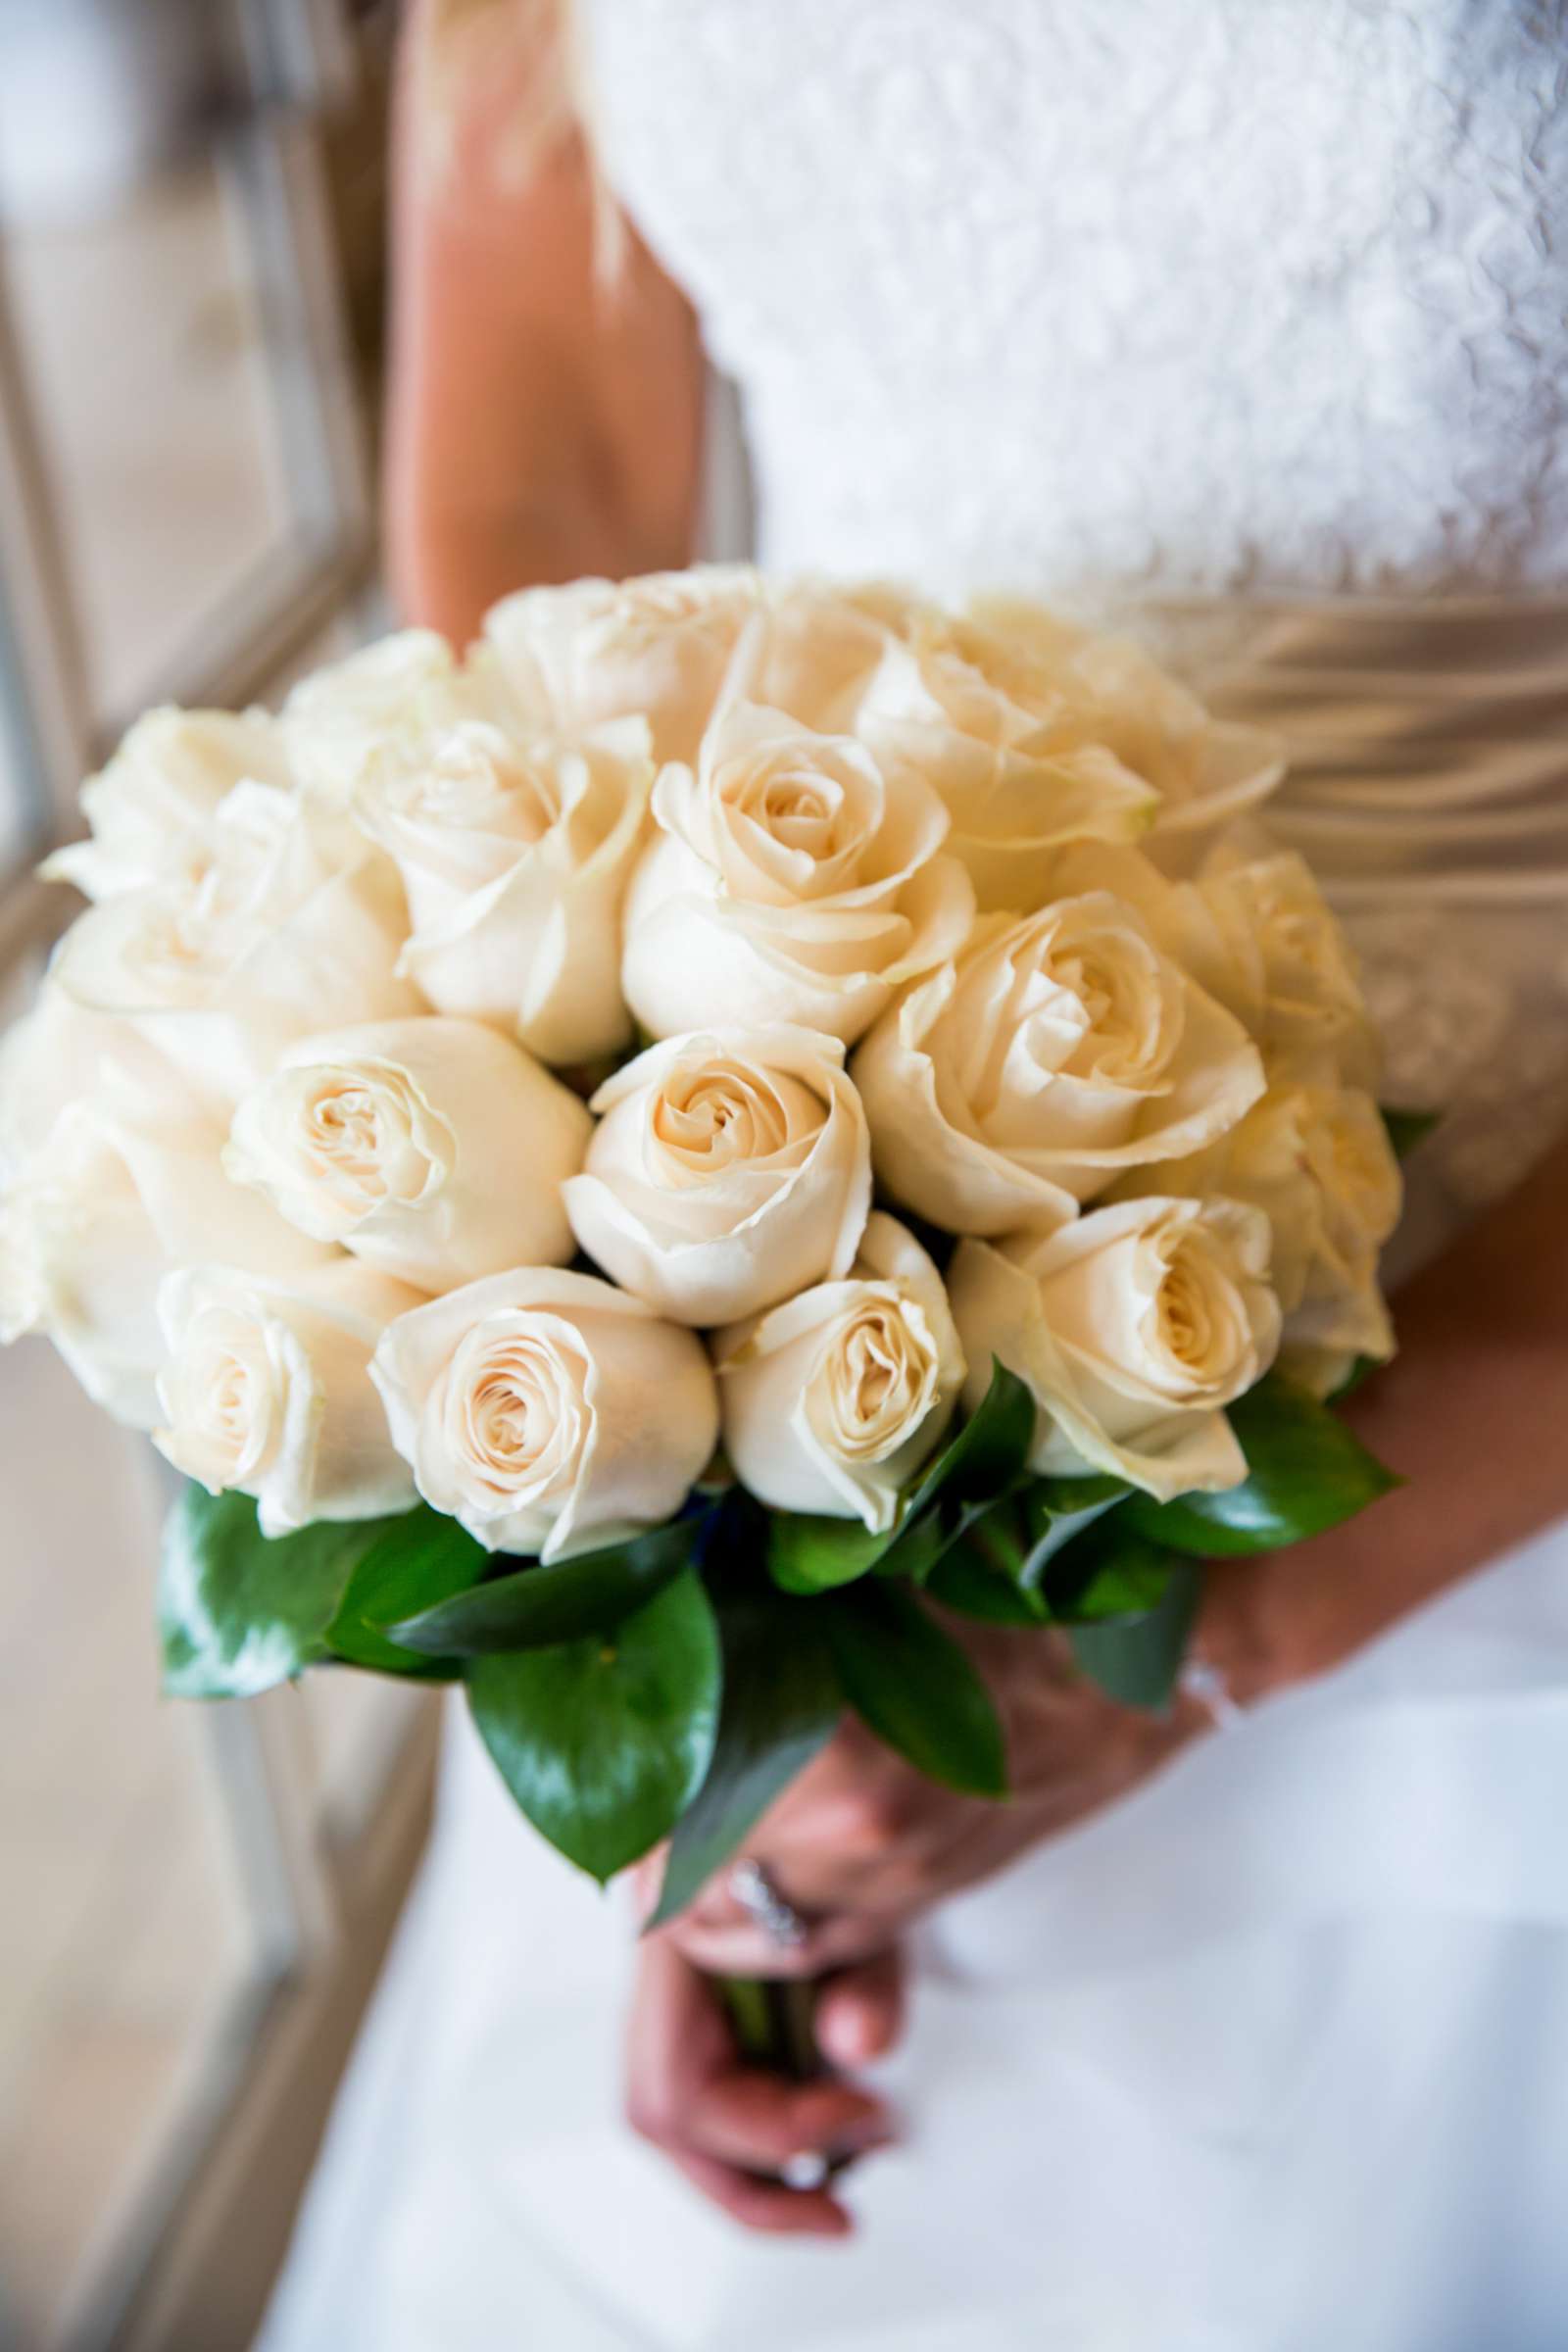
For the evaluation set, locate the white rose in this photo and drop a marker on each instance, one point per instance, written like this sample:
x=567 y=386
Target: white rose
x=221 y=975
x=515 y=855
x=654 y=647
x=730 y=1168
x=154 y=807
x=1134 y=1329
x=547 y=1411
x=1056 y=1051
x=336 y=720
x=59 y=1052
x=832 y=1401
x=1317 y=1160
x=266 y=1389
x=1294 y=977
x=107 y=1205
x=432 y=1149
x=1006 y=749
x=796 y=876
x=1207 y=771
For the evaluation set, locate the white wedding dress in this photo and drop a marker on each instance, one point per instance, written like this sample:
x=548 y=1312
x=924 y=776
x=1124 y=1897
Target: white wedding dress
x=1247 y=319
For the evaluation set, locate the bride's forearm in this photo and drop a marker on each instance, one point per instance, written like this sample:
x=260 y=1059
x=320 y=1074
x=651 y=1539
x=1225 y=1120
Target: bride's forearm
x=1471 y=1412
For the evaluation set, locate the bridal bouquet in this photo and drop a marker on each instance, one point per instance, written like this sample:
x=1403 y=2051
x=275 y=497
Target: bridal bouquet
x=650 y=1168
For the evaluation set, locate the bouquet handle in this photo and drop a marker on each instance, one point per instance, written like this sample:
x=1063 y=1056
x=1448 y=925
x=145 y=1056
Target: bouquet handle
x=774 y=2023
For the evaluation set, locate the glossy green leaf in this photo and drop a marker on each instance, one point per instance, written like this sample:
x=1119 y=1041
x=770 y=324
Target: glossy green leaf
x=781 y=1703
x=807 y=1553
x=986 y=1454
x=915 y=1689
x=1136 y=1660
x=418 y=1560
x=1113 y=1571
x=1306 y=1472
x=536 y=1607
x=964 y=1581
x=239 y=1611
x=1060 y=1511
x=1407 y=1128
x=605 y=1741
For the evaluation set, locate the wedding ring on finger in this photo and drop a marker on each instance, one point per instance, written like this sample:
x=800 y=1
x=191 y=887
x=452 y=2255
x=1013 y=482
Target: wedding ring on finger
x=763 y=1905
x=808 y=2170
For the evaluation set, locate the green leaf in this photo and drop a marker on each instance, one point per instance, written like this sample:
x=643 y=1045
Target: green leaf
x=989 y=1452
x=239 y=1611
x=1136 y=1660
x=1305 y=1473
x=915 y=1689
x=536 y=1607
x=807 y=1555
x=964 y=1581
x=1060 y=1511
x=1407 y=1128
x=781 y=1705
x=419 y=1559
x=605 y=1741
x=1113 y=1572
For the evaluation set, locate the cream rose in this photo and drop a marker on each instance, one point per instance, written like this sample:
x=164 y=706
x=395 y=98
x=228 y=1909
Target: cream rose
x=1055 y=1053
x=108 y=1205
x=60 y=1054
x=730 y=1168
x=336 y=721
x=515 y=854
x=548 y=1411
x=1317 y=1160
x=1111 y=693
x=796 y=876
x=1292 y=974
x=1134 y=1329
x=597 y=649
x=1008 y=752
x=222 y=974
x=266 y=1389
x=154 y=809
x=833 y=1402
x=433 y=1148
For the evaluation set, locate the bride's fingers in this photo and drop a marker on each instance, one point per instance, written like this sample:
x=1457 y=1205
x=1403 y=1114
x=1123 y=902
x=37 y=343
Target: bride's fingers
x=860 y=2014
x=761 y=2121
x=736 y=1947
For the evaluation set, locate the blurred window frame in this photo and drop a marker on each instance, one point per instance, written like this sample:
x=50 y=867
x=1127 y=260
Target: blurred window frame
x=322 y=1860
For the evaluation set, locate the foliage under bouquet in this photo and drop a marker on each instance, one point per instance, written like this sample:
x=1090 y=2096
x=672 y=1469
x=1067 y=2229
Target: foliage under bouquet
x=645 y=1168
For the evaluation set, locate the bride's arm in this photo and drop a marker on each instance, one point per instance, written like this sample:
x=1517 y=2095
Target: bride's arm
x=543 y=415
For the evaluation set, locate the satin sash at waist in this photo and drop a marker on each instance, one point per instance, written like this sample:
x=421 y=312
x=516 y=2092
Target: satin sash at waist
x=1428 y=738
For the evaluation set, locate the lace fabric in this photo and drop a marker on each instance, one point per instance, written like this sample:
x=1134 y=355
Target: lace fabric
x=1219 y=297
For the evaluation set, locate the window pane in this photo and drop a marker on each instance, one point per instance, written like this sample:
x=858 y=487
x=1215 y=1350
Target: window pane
x=148 y=364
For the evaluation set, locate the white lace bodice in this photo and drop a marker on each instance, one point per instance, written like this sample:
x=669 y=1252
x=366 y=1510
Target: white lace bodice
x=1196 y=295
x=1239 y=316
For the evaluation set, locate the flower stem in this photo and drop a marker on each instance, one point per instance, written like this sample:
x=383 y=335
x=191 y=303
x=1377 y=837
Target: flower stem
x=774 y=2023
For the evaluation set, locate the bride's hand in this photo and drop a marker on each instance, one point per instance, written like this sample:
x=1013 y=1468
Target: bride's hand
x=861 y=1843
x=731 y=2127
